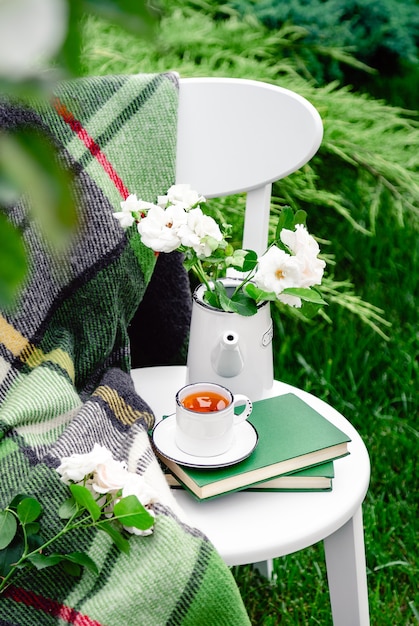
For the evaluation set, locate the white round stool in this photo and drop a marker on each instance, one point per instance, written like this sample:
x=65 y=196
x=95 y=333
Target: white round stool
x=291 y=521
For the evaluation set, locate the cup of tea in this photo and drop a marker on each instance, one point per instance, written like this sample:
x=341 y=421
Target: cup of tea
x=206 y=418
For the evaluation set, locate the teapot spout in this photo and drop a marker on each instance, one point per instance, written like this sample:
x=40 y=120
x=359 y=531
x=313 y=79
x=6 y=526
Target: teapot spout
x=226 y=358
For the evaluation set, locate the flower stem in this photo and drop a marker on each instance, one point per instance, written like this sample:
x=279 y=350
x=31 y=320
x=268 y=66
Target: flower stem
x=244 y=282
x=200 y=272
x=4 y=582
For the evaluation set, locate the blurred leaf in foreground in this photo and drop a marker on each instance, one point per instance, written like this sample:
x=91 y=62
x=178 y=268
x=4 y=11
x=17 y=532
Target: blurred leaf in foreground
x=30 y=34
x=29 y=167
x=13 y=261
x=29 y=162
x=132 y=15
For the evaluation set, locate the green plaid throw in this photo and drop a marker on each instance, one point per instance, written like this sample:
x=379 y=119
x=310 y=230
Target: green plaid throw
x=65 y=359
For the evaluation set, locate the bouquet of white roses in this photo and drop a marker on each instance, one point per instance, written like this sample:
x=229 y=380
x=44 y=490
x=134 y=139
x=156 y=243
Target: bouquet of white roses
x=103 y=495
x=286 y=272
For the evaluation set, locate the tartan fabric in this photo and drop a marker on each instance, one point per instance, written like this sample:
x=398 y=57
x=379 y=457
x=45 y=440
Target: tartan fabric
x=65 y=360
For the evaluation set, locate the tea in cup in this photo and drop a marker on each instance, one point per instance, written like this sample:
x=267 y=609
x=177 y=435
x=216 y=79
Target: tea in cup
x=206 y=420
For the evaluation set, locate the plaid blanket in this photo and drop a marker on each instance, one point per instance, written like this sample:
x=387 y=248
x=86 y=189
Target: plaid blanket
x=65 y=361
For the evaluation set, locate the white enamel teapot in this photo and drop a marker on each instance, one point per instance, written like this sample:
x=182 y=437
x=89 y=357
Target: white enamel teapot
x=231 y=349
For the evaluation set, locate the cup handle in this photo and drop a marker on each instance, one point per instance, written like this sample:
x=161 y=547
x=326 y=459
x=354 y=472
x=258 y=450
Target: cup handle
x=240 y=399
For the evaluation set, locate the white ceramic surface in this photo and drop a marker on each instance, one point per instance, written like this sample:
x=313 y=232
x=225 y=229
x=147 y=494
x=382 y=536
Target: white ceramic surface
x=245 y=441
x=230 y=349
x=212 y=433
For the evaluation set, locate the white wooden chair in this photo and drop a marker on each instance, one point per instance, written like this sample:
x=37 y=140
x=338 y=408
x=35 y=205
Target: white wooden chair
x=237 y=135
x=234 y=136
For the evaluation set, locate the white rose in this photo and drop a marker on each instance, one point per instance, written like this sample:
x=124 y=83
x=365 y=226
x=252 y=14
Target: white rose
x=300 y=241
x=143 y=206
x=201 y=232
x=312 y=270
x=136 y=485
x=306 y=249
x=159 y=229
x=110 y=477
x=277 y=271
x=181 y=194
x=130 y=203
x=125 y=219
x=75 y=467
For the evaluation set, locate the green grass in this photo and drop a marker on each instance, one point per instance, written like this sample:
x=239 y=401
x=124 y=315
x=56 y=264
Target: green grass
x=374 y=383
x=361 y=193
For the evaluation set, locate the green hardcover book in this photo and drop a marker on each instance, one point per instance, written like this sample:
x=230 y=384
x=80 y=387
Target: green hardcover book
x=316 y=478
x=292 y=436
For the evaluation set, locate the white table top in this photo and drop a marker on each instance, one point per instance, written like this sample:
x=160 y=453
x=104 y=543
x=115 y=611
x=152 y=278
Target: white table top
x=248 y=527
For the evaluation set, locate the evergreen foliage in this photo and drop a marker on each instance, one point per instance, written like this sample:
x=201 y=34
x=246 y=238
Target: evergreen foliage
x=368 y=27
x=382 y=34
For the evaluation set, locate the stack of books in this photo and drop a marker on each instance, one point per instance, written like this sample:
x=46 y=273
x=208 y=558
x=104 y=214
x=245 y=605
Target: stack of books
x=295 y=452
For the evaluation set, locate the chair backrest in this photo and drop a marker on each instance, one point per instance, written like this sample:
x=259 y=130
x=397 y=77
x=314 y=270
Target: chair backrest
x=238 y=135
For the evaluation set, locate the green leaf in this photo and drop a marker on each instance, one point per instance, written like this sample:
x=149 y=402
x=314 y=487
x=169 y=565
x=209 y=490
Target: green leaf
x=259 y=295
x=84 y=498
x=189 y=263
x=223 y=298
x=9 y=192
x=20 y=496
x=300 y=217
x=130 y=512
x=11 y=555
x=28 y=510
x=310 y=309
x=67 y=509
x=285 y=220
x=212 y=299
x=72 y=569
x=32 y=528
x=252 y=290
x=83 y=559
x=34 y=539
x=41 y=561
x=114 y=533
x=13 y=262
x=8 y=528
x=243 y=305
x=250 y=261
x=310 y=295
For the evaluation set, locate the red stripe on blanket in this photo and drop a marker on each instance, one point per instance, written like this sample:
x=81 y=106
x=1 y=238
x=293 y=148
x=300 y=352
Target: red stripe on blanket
x=91 y=145
x=64 y=612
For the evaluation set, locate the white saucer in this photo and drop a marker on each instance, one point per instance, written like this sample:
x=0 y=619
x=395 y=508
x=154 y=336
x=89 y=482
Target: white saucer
x=245 y=442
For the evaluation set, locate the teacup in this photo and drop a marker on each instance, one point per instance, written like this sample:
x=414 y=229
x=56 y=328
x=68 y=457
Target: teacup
x=206 y=420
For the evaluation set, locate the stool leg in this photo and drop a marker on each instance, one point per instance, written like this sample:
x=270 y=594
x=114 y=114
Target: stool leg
x=346 y=573
x=265 y=568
